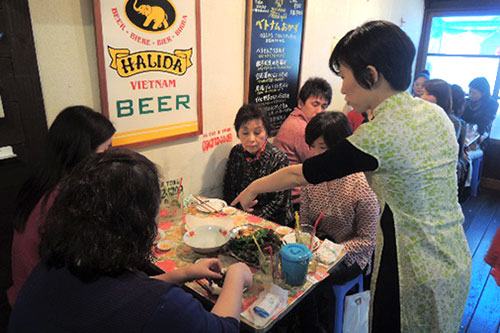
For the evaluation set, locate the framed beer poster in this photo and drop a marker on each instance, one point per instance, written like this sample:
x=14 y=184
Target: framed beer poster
x=273 y=56
x=149 y=69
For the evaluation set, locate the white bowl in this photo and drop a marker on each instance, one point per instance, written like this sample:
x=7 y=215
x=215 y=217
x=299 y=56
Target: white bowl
x=206 y=238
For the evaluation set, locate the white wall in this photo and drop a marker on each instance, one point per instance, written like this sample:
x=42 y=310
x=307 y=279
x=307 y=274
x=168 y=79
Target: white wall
x=65 y=44
x=327 y=21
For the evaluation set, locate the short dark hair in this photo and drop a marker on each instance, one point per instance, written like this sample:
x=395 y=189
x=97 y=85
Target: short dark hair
x=380 y=44
x=332 y=126
x=482 y=85
x=249 y=112
x=458 y=99
x=442 y=91
x=103 y=220
x=317 y=87
x=76 y=133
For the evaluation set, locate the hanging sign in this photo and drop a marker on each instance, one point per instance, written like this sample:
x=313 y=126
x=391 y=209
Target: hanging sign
x=273 y=54
x=150 y=69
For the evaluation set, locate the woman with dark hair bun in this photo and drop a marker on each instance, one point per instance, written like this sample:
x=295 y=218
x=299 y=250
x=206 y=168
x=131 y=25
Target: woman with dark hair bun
x=480 y=107
x=438 y=91
x=78 y=131
x=408 y=152
x=97 y=236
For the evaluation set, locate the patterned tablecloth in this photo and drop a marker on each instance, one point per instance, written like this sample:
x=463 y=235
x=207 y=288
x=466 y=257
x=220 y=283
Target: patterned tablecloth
x=180 y=255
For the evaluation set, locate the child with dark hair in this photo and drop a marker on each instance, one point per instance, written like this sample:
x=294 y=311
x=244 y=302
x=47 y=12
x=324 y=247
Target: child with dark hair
x=97 y=236
x=480 y=107
x=408 y=152
x=418 y=83
x=255 y=157
x=314 y=97
x=78 y=131
x=351 y=207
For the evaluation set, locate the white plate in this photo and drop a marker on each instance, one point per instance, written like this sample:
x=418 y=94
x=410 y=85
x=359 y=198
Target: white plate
x=217 y=204
x=290 y=238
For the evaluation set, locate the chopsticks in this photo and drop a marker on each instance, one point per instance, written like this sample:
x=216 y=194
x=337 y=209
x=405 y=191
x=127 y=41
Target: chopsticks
x=205 y=205
x=204 y=287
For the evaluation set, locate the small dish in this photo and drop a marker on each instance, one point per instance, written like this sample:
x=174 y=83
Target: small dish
x=216 y=204
x=229 y=210
x=290 y=238
x=282 y=231
x=206 y=238
x=165 y=245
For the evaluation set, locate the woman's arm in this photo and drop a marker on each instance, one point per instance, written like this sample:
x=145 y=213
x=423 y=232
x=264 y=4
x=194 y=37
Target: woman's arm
x=342 y=160
x=203 y=268
x=280 y=180
x=228 y=304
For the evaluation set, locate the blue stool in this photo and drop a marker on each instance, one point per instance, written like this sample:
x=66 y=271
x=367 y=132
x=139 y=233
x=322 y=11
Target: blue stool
x=476 y=175
x=339 y=292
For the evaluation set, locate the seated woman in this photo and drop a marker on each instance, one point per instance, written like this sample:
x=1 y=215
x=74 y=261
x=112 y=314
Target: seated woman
x=97 y=235
x=480 y=107
x=350 y=205
x=78 y=131
x=255 y=157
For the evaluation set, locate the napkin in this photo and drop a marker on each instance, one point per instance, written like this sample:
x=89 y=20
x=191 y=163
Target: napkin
x=270 y=303
x=328 y=252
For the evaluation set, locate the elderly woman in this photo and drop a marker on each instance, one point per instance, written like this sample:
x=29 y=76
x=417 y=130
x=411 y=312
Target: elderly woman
x=254 y=158
x=97 y=235
x=409 y=154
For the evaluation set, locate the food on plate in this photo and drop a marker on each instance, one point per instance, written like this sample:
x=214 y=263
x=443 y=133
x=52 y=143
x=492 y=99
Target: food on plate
x=243 y=247
x=229 y=210
x=165 y=245
x=283 y=230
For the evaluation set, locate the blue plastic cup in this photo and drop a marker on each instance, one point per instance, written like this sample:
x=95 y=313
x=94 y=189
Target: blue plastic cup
x=294 y=263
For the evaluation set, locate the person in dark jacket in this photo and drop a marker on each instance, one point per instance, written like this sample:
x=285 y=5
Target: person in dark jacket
x=480 y=107
x=97 y=235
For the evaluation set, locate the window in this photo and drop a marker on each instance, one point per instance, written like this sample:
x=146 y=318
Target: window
x=460 y=48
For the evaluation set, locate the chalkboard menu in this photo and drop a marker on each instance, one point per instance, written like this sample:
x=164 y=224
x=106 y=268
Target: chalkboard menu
x=273 y=53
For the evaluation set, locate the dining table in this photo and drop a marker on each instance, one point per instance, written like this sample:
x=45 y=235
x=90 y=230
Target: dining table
x=178 y=255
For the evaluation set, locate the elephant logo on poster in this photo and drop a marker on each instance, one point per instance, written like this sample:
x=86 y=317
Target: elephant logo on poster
x=151 y=15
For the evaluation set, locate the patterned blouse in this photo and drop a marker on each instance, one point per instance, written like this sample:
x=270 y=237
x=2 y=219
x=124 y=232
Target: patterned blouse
x=351 y=215
x=243 y=168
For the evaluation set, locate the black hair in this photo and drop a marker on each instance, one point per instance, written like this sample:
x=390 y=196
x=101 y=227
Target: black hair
x=103 y=220
x=482 y=85
x=458 y=99
x=317 y=87
x=75 y=133
x=380 y=44
x=442 y=91
x=332 y=126
x=250 y=112
x=425 y=74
